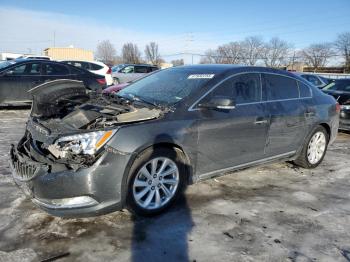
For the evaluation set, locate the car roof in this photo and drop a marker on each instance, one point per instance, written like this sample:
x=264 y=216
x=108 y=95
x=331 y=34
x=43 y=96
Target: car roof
x=230 y=68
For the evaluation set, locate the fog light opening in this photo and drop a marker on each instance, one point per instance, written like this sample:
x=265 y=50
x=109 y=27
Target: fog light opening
x=72 y=202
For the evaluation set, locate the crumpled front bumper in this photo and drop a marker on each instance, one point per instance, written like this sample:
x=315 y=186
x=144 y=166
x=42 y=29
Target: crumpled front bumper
x=89 y=191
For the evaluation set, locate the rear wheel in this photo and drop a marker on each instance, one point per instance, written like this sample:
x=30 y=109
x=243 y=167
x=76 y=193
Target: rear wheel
x=156 y=180
x=314 y=149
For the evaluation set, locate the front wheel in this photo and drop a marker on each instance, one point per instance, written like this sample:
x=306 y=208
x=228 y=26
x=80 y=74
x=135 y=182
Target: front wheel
x=156 y=180
x=314 y=149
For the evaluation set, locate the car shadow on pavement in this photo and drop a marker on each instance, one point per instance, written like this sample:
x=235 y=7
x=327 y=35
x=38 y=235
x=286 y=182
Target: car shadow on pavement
x=164 y=237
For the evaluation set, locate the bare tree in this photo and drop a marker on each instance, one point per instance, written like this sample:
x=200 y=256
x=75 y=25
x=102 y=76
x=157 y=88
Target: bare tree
x=252 y=49
x=177 y=62
x=105 y=52
x=275 y=52
x=210 y=57
x=152 y=53
x=317 y=55
x=131 y=54
x=342 y=44
x=230 y=53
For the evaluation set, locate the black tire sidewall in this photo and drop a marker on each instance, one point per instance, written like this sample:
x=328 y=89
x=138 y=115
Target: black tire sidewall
x=151 y=153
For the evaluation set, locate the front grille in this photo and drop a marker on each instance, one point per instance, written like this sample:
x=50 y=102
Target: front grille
x=24 y=171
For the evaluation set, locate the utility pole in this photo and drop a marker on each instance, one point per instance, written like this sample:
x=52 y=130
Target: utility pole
x=188 y=43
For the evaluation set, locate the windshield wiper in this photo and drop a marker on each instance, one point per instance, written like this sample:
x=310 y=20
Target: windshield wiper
x=142 y=100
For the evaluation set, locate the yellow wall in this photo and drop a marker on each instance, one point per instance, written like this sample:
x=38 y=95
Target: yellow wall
x=67 y=53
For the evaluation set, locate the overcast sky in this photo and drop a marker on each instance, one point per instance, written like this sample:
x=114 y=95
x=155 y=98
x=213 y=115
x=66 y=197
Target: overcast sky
x=178 y=26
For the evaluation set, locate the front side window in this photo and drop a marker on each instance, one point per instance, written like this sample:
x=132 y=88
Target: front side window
x=244 y=88
x=278 y=87
x=128 y=70
x=26 y=69
x=54 y=69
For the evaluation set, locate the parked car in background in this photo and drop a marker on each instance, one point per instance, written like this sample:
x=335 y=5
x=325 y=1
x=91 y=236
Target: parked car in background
x=129 y=72
x=314 y=79
x=95 y=67
x=340 y=90
x=174 y=127
x=19 y=76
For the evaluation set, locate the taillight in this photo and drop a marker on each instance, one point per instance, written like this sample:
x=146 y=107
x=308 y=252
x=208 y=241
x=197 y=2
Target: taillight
x=337 y=107
x=101 y=81
x=109 y=71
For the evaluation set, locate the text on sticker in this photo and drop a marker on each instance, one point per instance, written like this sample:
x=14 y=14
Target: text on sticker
x=201 y=76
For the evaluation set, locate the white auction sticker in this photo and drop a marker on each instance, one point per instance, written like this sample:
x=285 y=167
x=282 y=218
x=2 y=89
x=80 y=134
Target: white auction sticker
x=201 y=76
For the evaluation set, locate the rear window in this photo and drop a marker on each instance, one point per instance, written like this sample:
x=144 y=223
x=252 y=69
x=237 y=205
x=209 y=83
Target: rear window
x=95 y=66
x=277 y=87
x=304 y=90
x=55 y=69
x=141 y=69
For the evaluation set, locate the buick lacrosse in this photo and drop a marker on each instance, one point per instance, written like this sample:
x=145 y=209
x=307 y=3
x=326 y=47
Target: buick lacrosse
x=86 y=153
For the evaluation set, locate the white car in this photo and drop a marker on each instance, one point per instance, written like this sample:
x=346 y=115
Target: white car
x=95 y=67
x=125 y=73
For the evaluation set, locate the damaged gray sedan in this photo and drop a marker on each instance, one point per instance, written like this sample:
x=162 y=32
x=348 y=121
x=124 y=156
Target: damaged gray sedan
x=85 y=153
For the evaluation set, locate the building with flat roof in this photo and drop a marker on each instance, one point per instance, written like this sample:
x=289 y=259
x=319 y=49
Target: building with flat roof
x=69 y=53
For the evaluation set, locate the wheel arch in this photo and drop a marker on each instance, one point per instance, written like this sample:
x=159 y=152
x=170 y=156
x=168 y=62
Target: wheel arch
x=328 y=129
x=170 y=145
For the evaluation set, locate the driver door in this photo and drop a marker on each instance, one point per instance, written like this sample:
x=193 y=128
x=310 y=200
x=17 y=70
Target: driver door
x=230 y=138
x=126 y=74
x=16 y=81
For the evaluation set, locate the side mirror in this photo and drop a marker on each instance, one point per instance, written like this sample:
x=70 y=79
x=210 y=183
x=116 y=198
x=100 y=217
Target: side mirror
x=219 y=102
x=8 y=73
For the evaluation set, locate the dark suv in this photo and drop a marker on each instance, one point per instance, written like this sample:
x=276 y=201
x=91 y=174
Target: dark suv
x=138 y=149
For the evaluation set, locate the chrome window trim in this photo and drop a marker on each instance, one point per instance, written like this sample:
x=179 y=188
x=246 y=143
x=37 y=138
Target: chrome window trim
x=194 y=108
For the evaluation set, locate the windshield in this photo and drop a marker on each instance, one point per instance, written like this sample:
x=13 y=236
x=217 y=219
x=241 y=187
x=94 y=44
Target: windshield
x=5 y=64
x=166 y=87
x=338 y=86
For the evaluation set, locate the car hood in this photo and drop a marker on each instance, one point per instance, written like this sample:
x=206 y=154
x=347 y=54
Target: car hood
x=67 y=107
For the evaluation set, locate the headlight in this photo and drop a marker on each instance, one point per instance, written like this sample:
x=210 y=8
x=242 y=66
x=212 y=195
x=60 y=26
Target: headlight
x=87 y=143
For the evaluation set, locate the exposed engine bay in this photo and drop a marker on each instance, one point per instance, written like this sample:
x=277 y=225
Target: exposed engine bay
x=68 y=125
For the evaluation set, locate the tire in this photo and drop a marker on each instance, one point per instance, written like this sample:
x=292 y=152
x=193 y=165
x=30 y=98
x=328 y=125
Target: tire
x=303 y=159
x=139 y=183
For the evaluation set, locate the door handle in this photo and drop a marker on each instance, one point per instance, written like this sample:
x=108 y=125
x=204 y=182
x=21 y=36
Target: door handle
x=260 y=122
x=309 y=114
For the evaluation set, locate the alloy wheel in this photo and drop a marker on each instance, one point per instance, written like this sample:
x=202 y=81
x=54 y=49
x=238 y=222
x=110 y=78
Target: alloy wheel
x=316 y=147
x=156 y=183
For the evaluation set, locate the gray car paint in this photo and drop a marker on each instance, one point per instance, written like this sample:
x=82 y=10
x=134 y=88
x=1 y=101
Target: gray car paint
x=212 y=141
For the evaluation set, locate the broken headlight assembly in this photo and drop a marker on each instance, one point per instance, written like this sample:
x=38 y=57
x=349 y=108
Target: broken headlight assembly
x=80 y=144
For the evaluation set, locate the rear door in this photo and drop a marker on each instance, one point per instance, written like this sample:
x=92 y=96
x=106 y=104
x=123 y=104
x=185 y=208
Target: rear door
x=286 y=111
x=229 y=138
x=17 y=80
